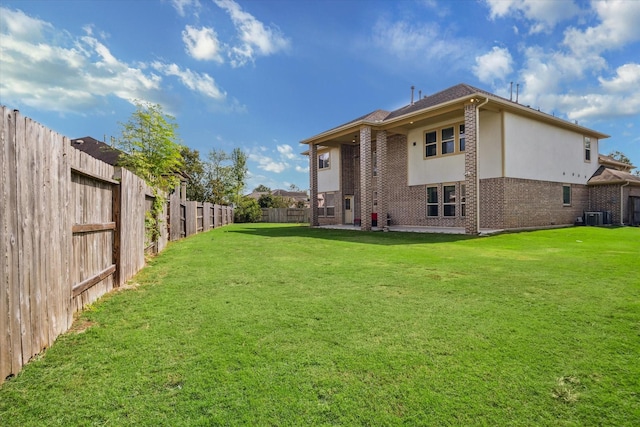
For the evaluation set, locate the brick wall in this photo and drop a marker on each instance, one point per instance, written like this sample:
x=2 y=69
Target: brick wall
x=532 y=203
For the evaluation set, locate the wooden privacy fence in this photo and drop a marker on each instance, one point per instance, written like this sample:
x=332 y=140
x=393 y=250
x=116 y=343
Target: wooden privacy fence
x=285 y=215
x=72 y=228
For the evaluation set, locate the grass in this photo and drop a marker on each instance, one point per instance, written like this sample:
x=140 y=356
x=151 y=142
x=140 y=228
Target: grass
x=285 y=325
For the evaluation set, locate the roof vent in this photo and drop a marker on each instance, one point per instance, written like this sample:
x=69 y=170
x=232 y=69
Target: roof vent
x=412 y=89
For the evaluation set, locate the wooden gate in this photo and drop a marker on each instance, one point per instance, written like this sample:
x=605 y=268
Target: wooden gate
x=94 y=201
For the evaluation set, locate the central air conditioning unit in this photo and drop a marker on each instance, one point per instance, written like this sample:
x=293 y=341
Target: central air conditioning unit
x=593 y=218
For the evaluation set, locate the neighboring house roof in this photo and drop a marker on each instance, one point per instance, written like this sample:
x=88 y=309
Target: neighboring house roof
x=615 y=164
x=97 y=149
x=607 y=175
x=401 y=119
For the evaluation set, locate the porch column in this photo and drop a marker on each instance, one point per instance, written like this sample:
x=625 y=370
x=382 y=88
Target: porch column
x=383 y=205
x=366 y=198
x=313 y=185
x=471 y=224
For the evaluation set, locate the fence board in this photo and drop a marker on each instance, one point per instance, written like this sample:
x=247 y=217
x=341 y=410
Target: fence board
x=11 y=357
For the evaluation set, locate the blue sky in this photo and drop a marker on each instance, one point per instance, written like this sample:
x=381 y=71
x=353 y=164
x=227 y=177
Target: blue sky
x=264 y=74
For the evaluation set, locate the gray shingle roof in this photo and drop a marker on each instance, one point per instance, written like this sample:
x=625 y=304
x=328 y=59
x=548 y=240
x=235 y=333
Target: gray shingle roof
x=454 y=92
x=97 y=149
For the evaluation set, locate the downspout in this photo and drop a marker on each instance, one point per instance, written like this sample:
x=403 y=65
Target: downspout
x=622 y=202
x=486 y=100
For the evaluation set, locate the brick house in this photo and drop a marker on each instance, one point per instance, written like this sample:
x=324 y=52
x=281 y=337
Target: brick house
x=462 y=157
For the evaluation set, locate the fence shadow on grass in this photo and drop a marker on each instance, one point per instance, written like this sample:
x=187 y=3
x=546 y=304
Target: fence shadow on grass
x=353 y=236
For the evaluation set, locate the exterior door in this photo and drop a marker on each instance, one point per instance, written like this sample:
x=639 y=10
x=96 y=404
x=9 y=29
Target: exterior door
x=348 y=210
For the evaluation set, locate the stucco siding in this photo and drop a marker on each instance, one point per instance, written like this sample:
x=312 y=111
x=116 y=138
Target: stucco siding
x=490 y=145
x=329 y=179
x=535 y=150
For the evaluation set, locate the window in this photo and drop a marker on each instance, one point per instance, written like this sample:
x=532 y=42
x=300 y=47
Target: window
x=375 y=199
x=449 y=200
x=323 y=161
x=432 y=201
x=587 y=149
x=443 y=141
x=331 y=207
x=448 y=141
x=463 y=200
x=566 y=195
x=431 y=144
x=326 y=205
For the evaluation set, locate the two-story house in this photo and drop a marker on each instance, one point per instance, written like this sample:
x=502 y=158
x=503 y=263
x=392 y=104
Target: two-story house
x=462 y=157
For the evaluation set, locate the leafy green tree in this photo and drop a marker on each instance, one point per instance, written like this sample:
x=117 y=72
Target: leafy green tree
x=266 y=200
x=150 y=141
x=238 y=171
x=247 y=210
x=262 y=189
x=619 y=156
x=195 y=169
x=218 y=179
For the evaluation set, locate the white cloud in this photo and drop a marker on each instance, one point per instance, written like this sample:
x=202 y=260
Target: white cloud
x=302 y=169
x=543 y=15
x=67 y=73
x=202 y=44
x=256 y=38
x=200 y=83
x=618 y=26
x=627 y=79
x=268 y=164
x=181 y=6
x=494 y=65
x=407 y=41
x=286 y=151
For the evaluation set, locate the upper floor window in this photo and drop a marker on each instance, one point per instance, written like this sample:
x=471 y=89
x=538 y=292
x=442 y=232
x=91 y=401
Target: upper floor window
x=323 y=160
x=431 y=141
x=444 y=141
x=448 y=140
x=587 y=149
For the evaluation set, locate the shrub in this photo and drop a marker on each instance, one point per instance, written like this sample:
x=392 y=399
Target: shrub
x=247 y=210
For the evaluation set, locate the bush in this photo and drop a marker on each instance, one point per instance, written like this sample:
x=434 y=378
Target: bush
x=247 y=211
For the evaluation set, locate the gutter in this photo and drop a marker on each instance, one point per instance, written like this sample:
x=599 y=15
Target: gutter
x=622 y=202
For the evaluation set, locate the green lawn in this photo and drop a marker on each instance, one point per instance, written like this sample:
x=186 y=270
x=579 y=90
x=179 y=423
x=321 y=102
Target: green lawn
x=290 y=326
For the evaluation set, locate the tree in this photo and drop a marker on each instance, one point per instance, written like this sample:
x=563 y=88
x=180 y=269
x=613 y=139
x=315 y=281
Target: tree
x=150 y=141
x=262 y=189
x=620 y=156
x=219 y=177
x=238 y=171
x=195 y=169
x=293 y=187
x=247 y=210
